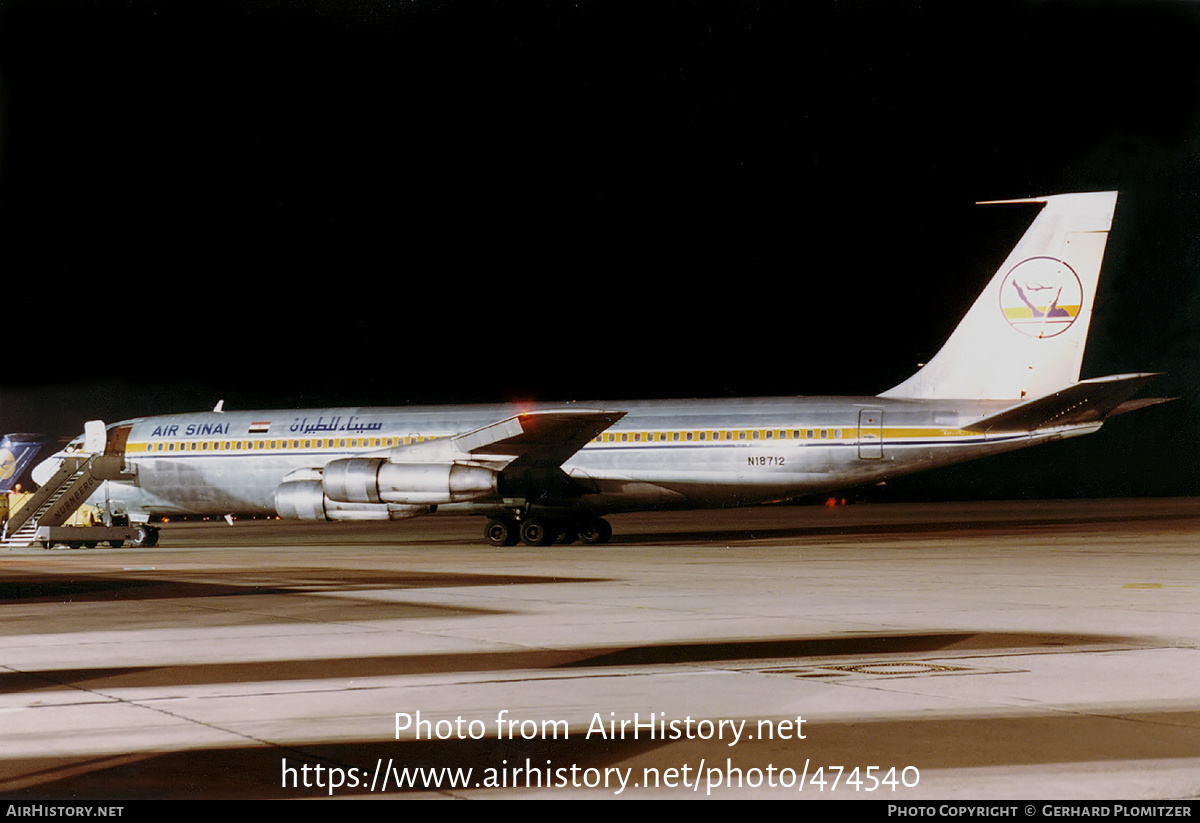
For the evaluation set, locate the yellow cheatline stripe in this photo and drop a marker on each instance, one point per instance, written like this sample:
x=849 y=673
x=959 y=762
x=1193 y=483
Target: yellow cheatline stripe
x=759 y=436
x=900 y=434
x=257 y=444
x=741 y=436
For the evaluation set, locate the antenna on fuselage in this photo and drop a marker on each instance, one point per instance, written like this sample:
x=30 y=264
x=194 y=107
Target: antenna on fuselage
x=220 y=407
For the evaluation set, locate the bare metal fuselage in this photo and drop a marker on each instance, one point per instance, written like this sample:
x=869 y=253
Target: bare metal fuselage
x=661 y=454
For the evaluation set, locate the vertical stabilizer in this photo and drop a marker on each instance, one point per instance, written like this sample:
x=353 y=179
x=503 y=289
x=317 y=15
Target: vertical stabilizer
x=16 y=453
x=1024 y=336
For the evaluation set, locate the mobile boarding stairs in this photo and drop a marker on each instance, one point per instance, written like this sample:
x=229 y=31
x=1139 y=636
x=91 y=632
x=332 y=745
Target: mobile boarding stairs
x=43 y=517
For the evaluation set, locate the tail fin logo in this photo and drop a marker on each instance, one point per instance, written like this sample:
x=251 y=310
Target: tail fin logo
x=8 y=464
x=1041 y=297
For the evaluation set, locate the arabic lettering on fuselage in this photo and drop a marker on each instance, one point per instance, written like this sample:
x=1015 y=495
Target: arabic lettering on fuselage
x=305 y=425
x=333 y=424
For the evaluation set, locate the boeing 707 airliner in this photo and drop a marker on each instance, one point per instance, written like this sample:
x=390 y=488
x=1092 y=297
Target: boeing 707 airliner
x=1007 y=378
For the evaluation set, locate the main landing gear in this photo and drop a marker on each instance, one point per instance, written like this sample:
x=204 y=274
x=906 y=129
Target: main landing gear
x=540 y=531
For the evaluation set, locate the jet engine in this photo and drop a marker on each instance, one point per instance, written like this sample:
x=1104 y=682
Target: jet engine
x=374 y=480
x=305 y=499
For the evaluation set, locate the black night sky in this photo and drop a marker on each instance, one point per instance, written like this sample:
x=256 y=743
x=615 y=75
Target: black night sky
x=306 y=202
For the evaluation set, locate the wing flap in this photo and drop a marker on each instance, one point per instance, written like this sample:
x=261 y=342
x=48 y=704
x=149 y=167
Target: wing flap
x=538 y=438
x=493 y=433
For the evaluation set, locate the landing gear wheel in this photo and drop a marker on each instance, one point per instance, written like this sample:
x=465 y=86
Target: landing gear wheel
x=538 y=532
x=501 y=532
x=147 y=538
x=594 y=530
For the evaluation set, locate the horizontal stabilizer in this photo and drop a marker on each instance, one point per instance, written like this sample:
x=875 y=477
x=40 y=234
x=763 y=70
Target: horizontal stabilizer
x=1143 y=403
x=1089 y=401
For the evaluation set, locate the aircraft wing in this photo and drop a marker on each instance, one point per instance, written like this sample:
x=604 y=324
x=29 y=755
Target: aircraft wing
x=1088 y=401
x=530 y=440
x=537 y=438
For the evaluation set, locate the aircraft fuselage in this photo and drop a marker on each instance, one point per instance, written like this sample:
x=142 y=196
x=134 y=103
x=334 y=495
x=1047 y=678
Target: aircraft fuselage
x=661 y=454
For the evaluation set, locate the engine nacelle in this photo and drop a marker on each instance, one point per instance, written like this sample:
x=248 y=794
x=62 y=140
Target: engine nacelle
x=353 y=479
x=306 y=500
x=300 y=500
x=367 y=480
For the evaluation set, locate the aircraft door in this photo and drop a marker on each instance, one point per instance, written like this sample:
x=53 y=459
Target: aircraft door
x=117 y=438
x=114 y=449
x=870 y=434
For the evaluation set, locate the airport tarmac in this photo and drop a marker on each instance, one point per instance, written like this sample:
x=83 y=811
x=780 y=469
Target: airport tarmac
x=1032 y=650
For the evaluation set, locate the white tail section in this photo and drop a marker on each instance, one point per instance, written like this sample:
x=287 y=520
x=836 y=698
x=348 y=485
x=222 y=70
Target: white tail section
x=1025 y=334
